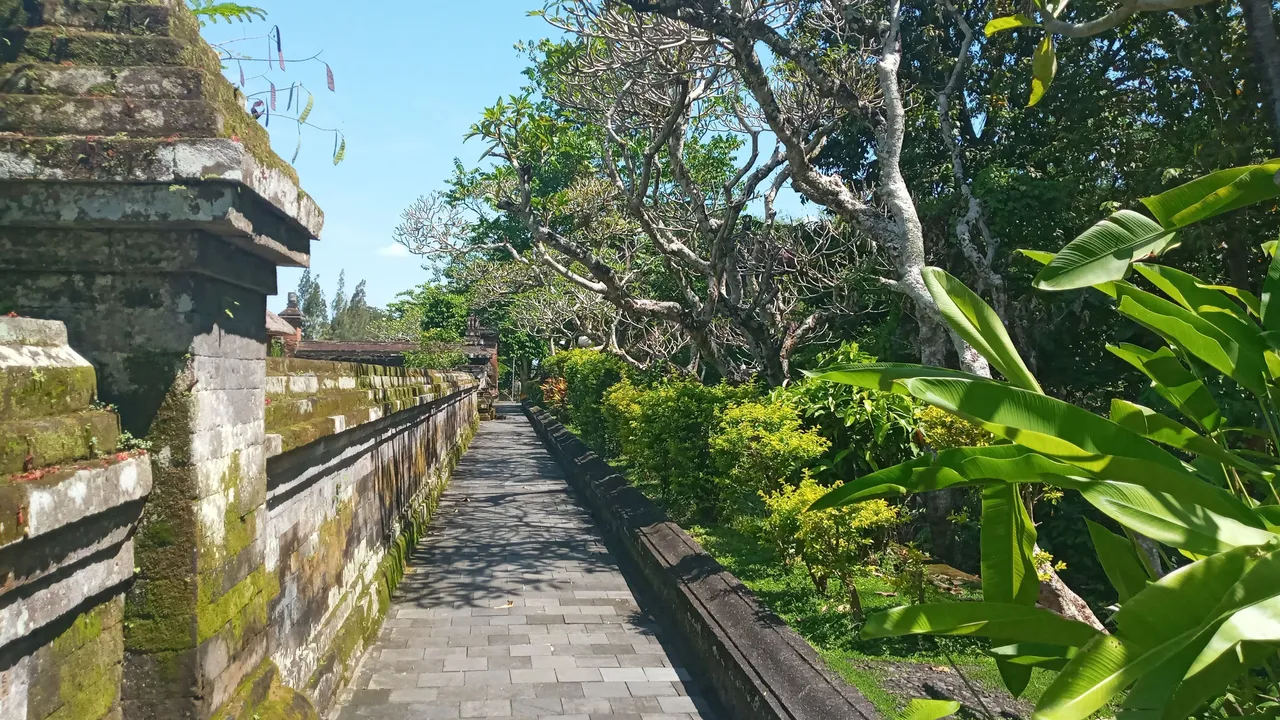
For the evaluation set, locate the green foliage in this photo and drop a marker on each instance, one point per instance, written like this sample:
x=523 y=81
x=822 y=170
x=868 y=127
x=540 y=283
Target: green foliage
x=833 y=543
x=664 y=432
x=354 y=318
x=761 y=445
x=942 y=431
x=588 y=375
x=438 y=349
x=315 y=309
x=1183 y=641
x=866 y=429
x=225 y=11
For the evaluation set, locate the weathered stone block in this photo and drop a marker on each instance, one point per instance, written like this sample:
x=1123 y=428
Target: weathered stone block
x=171 y=83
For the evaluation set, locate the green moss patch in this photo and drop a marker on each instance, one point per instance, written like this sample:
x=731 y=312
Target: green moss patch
x=263 y=697
x=77 y=676
x=34 y=392
x=27 y=445
x=60 y=44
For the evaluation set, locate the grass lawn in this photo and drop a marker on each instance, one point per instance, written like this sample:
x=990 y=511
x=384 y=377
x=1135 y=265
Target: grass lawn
x=826 y=623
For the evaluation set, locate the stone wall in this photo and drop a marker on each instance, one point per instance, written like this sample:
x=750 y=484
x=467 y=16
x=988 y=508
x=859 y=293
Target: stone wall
x=143 y=208
x=364 y=453
x=70 y=499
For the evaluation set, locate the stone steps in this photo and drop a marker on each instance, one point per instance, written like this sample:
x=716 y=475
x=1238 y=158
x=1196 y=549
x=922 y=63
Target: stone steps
x=147 y=83
x=104 y=116
x=56 y=440
x=116 y=17
x=88 y=47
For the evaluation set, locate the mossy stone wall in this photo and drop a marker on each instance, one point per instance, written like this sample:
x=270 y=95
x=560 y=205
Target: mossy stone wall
x=68 y=504
x=346 y=508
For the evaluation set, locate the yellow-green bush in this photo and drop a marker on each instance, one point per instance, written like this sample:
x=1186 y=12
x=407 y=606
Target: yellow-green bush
x=942 y=430
x=831 y=543
x=664 y=432
x=588 y=374
x=759 y=446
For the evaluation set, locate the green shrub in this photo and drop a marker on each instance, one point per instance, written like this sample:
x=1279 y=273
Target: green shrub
x=831 y=543
x=587 y=375
x=759 y=446
x=621 y=409
x=664 y=432
x=942 y=431
x=867 y=429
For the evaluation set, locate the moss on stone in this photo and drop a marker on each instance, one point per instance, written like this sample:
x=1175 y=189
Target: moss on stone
x=261 y=696
x=33 y=392
x=244 y=605
x=77 y=676
x=12 y=14
x=81 y=47
x=161 y=605
x=44 y=442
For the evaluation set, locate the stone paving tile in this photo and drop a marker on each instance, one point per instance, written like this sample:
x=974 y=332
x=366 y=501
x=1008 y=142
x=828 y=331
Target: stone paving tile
x=512 y=607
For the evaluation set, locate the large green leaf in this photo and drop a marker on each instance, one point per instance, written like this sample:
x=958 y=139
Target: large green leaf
x=1152 y=627
x=999 y=621
x=1050 y=657
x=1008 y=22
x=1187 y=290
x=1150 y=485
x=1270 y=303
x=1104 y=252
x=1008 y=541
x=1259 y=622
x=974 y=320
x=881 y=376
x=1015 y=676
x=1152 y=425
x=1246 y=298
x=1215 y=194
x=1119 y=560
x=1044 y=258
x=1175 y=383
x=1240 y=358
x=1173 y=690
x=1038 y=422
x=928 y=710
x=950 y=468
x=1177 y=518
x=1044 y=67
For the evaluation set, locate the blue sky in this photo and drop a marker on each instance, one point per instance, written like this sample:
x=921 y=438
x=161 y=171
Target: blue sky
x=411 y=78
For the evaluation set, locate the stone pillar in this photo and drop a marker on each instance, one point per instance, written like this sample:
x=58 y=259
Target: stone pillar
x=292 y=314
x=141 y=206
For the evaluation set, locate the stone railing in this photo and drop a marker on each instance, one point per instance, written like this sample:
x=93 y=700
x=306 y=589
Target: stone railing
x=70 y=499
x=756 y=666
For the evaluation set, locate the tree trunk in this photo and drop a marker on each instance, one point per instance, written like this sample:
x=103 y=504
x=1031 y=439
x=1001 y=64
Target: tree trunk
x=938 y=506
x=1057 y=597
x=1266 y=54
x=855 y=600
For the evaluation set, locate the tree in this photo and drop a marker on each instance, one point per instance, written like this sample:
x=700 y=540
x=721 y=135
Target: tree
x=632 y=193
x=356 y=319
x=315 y=311
x=1196 y=639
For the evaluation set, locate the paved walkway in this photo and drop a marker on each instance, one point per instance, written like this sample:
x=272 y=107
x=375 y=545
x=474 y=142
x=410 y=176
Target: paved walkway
x=514 y=608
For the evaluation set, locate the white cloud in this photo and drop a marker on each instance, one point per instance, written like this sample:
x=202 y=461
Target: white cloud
x=394 y=250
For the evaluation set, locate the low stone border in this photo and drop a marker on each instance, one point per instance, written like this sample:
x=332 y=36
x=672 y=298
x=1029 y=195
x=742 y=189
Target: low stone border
x=757 y=666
